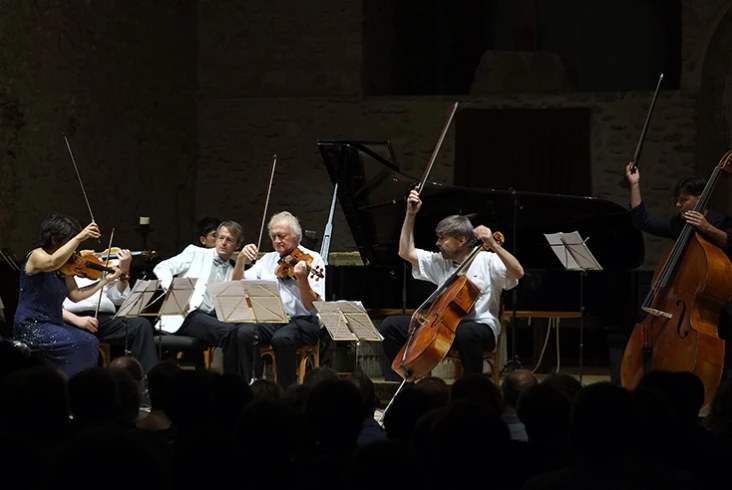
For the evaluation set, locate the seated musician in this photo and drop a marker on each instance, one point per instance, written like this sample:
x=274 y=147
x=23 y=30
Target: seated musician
x=715 y=225
x=298 y=295
x=207 y=232
x=491 y=272
x=39 y=318
x=136 y=332
x=208 y=265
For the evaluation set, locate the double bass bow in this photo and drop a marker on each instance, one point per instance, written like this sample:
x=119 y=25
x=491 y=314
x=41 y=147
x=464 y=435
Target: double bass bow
x=690 y=284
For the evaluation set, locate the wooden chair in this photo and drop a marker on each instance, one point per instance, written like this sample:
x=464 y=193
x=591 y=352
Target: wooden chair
x=304 y=354
x=494 y=357
x=105 y=350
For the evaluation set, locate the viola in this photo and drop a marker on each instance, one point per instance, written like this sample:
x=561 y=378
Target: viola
x=86 y=264
x=432 y=333
x=286 y=267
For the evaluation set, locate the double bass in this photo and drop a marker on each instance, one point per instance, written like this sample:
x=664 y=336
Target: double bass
x=690 y=284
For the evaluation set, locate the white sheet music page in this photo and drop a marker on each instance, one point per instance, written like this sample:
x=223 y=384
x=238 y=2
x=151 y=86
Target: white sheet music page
x=139 y=298
x=181 y=290
x=572 y=251
x=347 y=320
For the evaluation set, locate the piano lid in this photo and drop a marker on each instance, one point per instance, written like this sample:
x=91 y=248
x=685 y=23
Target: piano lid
x=372 y=192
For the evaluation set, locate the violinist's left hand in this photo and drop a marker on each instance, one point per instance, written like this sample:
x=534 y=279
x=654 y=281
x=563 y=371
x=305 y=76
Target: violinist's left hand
x=698 y=221
x=125 y=259
x=112 y=276
x=485 y=235
x=301 y=270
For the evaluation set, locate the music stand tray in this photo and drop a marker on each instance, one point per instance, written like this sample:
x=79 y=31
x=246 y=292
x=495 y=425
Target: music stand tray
x=178 y=295
x=248 y=301
x=348 y=321
x=572 y=252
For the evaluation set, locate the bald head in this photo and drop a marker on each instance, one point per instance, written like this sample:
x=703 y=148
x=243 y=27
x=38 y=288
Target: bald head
x=130 y=365
x=516 y=383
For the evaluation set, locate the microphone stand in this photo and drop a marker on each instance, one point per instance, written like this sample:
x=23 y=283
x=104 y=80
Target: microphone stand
x=514 y=362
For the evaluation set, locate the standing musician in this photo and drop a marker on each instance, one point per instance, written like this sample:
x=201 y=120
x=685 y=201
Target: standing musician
x=715 y=225
x=208 y=265
x=39 y=318
x=298 y=294
x=138 y=330
x=490 y=272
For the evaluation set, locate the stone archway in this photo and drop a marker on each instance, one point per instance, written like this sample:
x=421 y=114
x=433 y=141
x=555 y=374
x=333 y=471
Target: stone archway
x=714 y=109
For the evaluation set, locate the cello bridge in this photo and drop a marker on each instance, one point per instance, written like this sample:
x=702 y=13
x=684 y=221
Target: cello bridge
x=656 y=312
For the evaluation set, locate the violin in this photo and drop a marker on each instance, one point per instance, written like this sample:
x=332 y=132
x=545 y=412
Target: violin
x=111 y=253
x=86 y=264
x=287 y=265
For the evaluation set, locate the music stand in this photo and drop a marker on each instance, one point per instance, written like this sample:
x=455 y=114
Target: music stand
x=572 y=252
x=176 y=302
x=248 y=301
x=348 y=321
x=136 y=303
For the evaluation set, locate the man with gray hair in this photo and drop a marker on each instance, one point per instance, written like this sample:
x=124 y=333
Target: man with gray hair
x=298 y=294
x=208 y=265
x=492 y=272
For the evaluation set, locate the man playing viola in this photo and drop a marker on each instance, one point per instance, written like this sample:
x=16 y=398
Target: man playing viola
x=298 y=295
x=490 y=272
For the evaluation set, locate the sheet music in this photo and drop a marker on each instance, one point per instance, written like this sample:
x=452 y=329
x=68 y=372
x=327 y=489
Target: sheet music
x=179 y=294
x=572 y=251
x=347 y=320
x=248 y=301
x=139 y=299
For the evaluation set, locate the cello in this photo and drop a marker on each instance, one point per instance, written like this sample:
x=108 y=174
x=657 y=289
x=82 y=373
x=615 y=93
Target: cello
x=431 y=334
x=690 y=284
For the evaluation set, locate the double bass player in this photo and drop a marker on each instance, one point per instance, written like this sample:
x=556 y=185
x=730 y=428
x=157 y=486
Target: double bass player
x=491 y=272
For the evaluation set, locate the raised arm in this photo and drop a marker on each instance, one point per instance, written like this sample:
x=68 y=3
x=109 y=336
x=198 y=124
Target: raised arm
x=514 y=270
x=166 y=269
x=407 y=251
x=42 y=261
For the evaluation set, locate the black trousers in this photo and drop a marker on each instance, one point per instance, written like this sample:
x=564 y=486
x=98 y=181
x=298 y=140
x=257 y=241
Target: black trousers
x=208 y=330
x=284 y=339
x=471 y=340
x=137 y=332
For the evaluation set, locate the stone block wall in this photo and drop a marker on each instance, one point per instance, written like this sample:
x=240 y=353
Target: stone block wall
x=119 y=78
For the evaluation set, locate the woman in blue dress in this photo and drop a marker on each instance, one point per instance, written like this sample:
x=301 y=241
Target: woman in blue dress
x=39 y=317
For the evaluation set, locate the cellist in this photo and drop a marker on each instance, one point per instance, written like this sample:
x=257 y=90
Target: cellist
x=491 y=272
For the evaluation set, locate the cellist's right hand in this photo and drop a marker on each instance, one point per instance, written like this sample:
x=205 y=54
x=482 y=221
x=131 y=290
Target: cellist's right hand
x=633 y=177
x=414 y=203
x=91 y=231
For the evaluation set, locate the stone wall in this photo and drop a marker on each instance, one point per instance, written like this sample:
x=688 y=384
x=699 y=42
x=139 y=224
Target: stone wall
x=119 y=79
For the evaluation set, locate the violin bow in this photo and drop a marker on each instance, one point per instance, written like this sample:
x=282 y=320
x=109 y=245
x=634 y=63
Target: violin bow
x=106 y=264
x=431 y=163
x=266 y=203
x=641 y=140
x=83 y=190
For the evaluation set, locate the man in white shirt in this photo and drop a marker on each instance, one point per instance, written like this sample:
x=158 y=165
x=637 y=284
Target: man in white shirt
x=135 y=332
x=298 y=295
x=490 y=272
x=207 y=265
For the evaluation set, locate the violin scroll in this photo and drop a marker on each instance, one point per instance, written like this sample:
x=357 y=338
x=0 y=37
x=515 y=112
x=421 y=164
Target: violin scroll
x=286 y=268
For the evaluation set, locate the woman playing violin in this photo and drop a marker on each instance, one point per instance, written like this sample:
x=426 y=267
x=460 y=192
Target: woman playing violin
x=301 y=283
x=39 y=319
x=490 y=272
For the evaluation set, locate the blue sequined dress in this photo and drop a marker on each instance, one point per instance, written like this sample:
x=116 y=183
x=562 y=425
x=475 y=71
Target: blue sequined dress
x=39 y=323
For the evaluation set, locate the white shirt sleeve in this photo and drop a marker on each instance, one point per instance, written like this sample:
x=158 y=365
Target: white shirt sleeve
x=317 y=284
x=499 y=273
x=167 y=269
x=114 y=295
x=431 y=267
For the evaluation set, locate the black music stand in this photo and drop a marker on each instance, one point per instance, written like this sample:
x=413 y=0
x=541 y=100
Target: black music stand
x=572 y=252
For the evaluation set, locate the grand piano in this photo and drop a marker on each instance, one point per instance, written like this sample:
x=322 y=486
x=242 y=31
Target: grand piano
x=372 y=190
